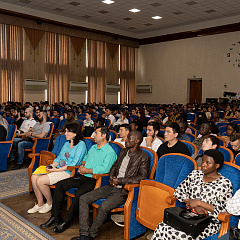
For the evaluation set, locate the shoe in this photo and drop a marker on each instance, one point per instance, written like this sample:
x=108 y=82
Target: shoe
x=50 y=222
x=61 y=227
x=35 y=209
x=149 y=236
x=82 y=237
x=46 y=208
x=118 y=219
x=17 y=166
x=11 y=161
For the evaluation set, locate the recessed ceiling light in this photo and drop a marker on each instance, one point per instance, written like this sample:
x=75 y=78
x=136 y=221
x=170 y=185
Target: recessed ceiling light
x=134 y=10
x=108 y=1
x=156 y=17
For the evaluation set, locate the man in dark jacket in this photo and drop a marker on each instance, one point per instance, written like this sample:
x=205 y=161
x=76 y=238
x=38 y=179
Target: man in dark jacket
x=132 y=166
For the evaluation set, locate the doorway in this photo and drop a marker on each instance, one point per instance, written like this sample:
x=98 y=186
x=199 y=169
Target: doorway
x=195 y=90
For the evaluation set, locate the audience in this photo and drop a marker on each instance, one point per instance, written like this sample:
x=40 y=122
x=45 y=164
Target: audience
x=235 y=143
x=231 y=128
x=109 y=116
x=124 y=130
x=182 y=134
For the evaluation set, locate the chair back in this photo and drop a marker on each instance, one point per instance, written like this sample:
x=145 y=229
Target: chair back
x=61 y=123
x=107 y=123
x=232 y=119
x=113 y=135
x=232 y=172
x=191 y=117
x=222 y=141
x=162 y=131
x=12 y=129
x=51 y=130
x=236 y=121
x=173 y=168
x=80 y=123
x=117 y=147
x=55 y=121
x=81 y=117
x=153 y=161
x=191 y=136
x=193 y=130
x=60 y=141
x=144 y=130
x=221 y=124
x=191 y=147
x=89 y=142
x=221 y=114
x=222 y=129
x=237 y=159
x=9 y=120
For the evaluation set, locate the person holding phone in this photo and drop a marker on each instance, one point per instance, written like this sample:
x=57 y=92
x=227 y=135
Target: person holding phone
x=72 y=154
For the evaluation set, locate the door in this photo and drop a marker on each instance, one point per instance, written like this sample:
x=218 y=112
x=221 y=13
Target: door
x=195 y=95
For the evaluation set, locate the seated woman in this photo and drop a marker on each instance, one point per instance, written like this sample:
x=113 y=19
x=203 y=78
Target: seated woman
x=231 y=128
x=122 y=120
x=3 y=129
x=72 y=154
x=203 y=190
x=88 y=122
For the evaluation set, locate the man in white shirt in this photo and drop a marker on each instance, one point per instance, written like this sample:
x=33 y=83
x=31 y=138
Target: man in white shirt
x=29 y=122
x=152 y=141
x=109 y=115
x=123 y=133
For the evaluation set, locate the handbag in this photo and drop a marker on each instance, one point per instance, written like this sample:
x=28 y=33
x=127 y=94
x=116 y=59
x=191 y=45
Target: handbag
x=234 y=233
x=186 y=220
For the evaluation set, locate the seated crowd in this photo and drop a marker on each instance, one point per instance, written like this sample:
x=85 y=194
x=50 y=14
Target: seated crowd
x=165 y=129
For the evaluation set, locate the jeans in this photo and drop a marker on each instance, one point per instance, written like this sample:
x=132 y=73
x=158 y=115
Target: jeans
x=224 y=237
x=114 y=198
x=20 y=145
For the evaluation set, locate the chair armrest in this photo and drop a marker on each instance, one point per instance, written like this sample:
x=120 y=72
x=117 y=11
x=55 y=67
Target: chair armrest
x=32 y=155
x=72 y=169
x=97 y=176
x=224 y=216
x=129 y=187
x=171 y=200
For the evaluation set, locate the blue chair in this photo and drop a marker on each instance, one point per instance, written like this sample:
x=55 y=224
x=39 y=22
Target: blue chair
x=191 y=147
x=228 y=154
x=61 y=123
x=55 y=121
x=6 y=146
x=117 y=147
x=162 y=131
x=131 y=224
x=89 y=142
x=10 y=120
x=81 y=118
x=113 y=135
x=156 y=195
x=133 y=117
x=237 y=159
x=222 y=129
x=191 y=117
x=232 y=119
x=221 y=124
x=232 y=172
x=81 y=123
x=191 y=136
x=107 y=123
x=144 y=130
x=43 y=155
x=236 y=121
x=221 y=114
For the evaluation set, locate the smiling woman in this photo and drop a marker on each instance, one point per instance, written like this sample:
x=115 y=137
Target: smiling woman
x=203 y=191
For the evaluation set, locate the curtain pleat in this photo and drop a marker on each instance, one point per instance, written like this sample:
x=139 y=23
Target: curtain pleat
x=57 y=67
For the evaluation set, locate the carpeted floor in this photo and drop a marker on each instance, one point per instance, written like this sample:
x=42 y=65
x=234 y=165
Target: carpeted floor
x=13 y=183
x=14 y=227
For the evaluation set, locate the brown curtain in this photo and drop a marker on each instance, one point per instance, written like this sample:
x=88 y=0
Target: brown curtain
x=11 y=63
x=4 y=96
x=57 y=67
x=127 y=74
x=96 y=71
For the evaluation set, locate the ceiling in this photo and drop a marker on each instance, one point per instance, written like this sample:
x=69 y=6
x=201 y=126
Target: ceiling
x=117 y=18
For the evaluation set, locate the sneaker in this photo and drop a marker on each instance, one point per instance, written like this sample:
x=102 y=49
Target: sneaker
x=35 y=209
x=46 y=208
x=118 y=219
x=149 y=236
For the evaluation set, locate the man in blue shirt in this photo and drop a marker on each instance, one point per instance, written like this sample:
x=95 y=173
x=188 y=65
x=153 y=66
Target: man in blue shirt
x=99 y=160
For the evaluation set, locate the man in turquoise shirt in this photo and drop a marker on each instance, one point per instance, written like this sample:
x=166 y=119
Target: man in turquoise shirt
x=99 y=160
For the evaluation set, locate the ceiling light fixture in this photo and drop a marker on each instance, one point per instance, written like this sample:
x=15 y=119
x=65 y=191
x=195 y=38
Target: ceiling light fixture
x=156 y=17
x=134 y=10
x=108 y=1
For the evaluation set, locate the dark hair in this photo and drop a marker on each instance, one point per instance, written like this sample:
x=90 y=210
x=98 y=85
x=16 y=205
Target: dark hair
x=125 y=113
x=214 y=140
x=155 y=125
x=234 y=126
x=104 y=130
x=234 y=137
x=175 y=127
x=217 y=156
x=142 y=115
x=90 y=113
x=126 y=126
x=75 y=128
x=185 y=125
x=101 y=120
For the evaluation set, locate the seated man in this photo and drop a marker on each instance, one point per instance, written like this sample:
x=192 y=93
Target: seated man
x=152 y=141
x=18 y=118
x=123 y=133
x=174 y=115
x=209 y=142
x=132 y=166
x=182 y=135
x=109 y=115
x=205 y=129
x=235 y=143
x=39 y=130
x=99 y=160
x=172 y=144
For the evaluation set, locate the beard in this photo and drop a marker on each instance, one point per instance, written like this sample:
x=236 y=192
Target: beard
x=40 y=119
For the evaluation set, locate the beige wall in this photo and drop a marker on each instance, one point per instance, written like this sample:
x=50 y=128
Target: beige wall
x=111 y=98
x=168 y=65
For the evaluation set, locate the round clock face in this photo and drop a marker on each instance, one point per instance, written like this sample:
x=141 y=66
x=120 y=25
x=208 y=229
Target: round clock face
x=233 y=55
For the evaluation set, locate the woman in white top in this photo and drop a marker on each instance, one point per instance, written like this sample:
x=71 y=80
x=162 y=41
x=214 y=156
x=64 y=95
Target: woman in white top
x=123 y=119
x=88 y=122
